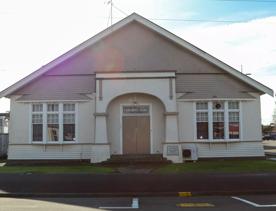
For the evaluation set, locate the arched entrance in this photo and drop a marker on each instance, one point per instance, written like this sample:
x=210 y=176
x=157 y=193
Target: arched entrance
x=159 y=86
x=136 y=124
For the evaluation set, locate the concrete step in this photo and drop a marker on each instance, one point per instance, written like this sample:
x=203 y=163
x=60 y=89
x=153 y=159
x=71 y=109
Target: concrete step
x=137 y=159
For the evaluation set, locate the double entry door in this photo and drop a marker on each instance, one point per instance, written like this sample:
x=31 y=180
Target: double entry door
x=136 y=131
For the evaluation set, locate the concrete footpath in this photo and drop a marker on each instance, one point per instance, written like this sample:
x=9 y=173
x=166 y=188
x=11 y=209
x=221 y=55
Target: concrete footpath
x=80 y=185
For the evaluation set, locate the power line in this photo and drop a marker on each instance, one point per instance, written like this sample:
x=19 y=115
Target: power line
x=120 y=10
x=198 y=20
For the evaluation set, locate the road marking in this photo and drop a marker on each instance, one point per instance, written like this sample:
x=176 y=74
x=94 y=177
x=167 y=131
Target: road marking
x=134 y=205
x=195 y=205
x=253 y=203
x=184 y=194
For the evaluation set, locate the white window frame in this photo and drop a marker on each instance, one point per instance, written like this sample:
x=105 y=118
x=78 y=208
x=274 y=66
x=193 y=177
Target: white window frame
x=240 y=128
x=59 y=121
x=31 y=123
x=199 y=111
x=60 y=113
x=226 y=111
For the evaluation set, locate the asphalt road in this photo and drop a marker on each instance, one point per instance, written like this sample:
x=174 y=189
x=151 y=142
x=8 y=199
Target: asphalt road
x=136 y=184
x=211 y=203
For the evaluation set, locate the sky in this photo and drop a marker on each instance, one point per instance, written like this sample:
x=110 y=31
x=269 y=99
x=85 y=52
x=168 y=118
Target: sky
x=241 y=33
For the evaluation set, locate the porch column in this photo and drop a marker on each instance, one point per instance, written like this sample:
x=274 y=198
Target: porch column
x=172 y=148
x=101 y=148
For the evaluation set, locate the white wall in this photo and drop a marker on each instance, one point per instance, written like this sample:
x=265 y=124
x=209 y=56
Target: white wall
x=251 y=120
x=19 y=122
x=20 y=148
x=49 y=152
x=249 y=146
x=86 y=122
x=235 y=149
x=186 y=121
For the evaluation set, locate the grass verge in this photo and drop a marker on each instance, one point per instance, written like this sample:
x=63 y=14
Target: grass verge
x=226 y=166
x=83 y=168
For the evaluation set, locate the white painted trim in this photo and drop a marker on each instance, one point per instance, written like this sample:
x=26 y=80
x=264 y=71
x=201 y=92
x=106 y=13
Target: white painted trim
x=60 y=113
x=226 y=111
x=210 y=121
x=226 y=121
x=131 y=18
x=215 y=99
x=44 y=121
x=194 y=121
x=31 y=125
x=77 y=122
x=135 y=75
x=51 y=101
x=121 y=124
x=241 y=121
x=60 y=121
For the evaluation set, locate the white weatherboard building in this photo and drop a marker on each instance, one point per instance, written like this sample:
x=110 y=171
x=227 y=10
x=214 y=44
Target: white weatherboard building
x=135 y=88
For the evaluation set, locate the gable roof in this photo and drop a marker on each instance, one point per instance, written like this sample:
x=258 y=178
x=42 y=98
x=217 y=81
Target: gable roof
x=163 y=32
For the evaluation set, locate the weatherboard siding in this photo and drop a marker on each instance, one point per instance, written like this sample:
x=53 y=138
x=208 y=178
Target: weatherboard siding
x=230 y=149
x=19 y=121
x=251 y=120
x=49 y=152
x=58 y=88
x=207 y=86
x=134 y=48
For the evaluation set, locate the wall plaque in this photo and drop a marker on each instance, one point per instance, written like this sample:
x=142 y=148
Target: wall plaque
x=172 y=150
x=136 y=109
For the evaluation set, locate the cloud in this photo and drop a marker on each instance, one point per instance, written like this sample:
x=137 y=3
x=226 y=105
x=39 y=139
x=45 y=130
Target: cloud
x=251 y=44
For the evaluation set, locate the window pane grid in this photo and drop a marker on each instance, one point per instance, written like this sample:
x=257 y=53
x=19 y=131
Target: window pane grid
x=68 y=118
x=233 y=105
x=37 y=118
x=52 y=118
x=37 y=132
x=201 y=106
x=202 y=116
x=53 y=107
x=52 y=123
x=69 y=107
x=218 y=116
x=53 y=132
x=234 y=117
x=37 y=107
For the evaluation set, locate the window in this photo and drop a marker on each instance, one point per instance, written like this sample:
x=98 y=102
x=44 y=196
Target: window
x=37 y=122
x=69 y=122
x=54 y=119
x=218 y=120
x=202 y=120
x=234 y=120
x=218 y=125
x=52 y=127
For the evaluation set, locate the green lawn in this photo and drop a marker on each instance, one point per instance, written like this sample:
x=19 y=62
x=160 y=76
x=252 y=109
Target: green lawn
x=83 y=168
x=228 y=166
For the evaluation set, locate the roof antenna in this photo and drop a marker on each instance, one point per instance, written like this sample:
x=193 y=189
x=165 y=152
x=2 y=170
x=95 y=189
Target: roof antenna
x=111 y=5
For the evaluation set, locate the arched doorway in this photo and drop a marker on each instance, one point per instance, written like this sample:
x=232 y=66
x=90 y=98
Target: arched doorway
x=136 y=124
